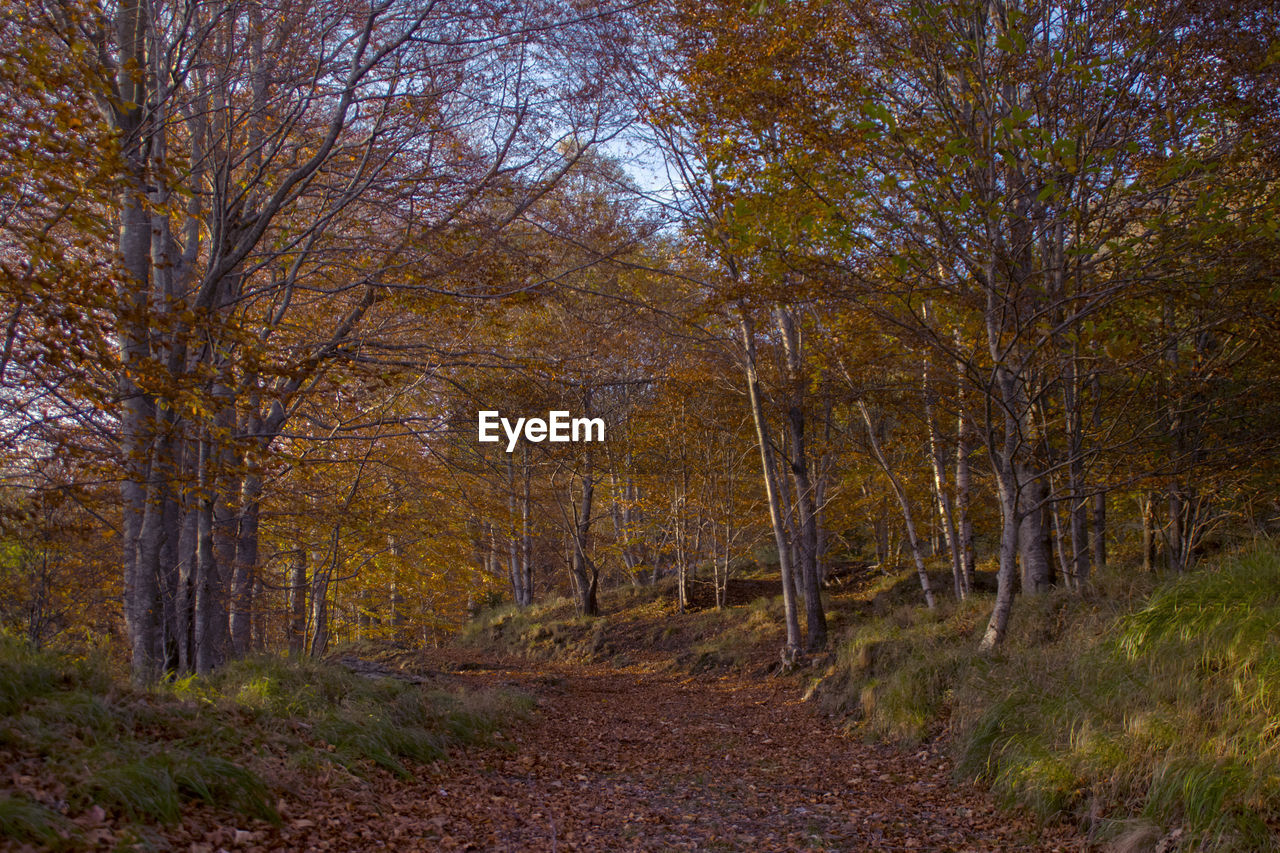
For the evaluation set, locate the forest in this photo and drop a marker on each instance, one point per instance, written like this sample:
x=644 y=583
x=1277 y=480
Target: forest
x=974 y=304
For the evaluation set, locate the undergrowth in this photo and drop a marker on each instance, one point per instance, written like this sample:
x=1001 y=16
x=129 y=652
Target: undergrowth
x=1143 y=712
x=635 y=621
x=232 y=740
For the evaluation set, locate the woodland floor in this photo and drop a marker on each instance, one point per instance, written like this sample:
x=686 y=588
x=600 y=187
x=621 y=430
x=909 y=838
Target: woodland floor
x=636 y=758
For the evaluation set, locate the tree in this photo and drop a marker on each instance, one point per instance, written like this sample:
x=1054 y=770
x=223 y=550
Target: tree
x=279 y=168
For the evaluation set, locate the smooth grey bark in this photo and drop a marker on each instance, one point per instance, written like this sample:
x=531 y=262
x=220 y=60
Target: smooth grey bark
x=398 y=615
x=1098 y=528
x=964 y=480
x=998 y=624
x=791 y=649
x=244 y=571
x=515 y=571
x=1004 y=464
x=681 y=538
x=297 y=584
x=1034 y=534
x=321 y=578
x=1077 y=498
x=805 y=503
x=937 y=460
x=224 y=491
x=184 y=627
x=125 y=111
x=170 y=560
x=582 y=568
x=526 y=529
x=209 y=604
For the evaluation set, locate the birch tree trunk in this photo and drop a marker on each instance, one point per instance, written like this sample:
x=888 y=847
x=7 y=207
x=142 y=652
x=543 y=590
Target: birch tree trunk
x=937 y=461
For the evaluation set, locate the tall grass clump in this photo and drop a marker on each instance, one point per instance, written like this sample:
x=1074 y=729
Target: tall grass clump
x=27 y=822
x=1142 y=713
x=896 y=674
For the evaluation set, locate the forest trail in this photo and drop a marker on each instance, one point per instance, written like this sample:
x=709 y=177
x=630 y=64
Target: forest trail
x=635 y=759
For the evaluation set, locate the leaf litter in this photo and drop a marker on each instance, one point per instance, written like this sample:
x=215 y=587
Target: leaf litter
x=637 y=758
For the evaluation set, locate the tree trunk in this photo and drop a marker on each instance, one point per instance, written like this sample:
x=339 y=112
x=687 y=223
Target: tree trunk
x=806 y=506
x=998 y=625
x=320 y=599
x=1098 y=532
x=583 y=568
x=259 y=631
x=792 y=647
x=1077 y=500
x=137 y=414
x=188 y=575
x=1034 y=536
x=1003 y=462
x=243 y=576
x=1148 y=512
x=526 y=531
x=964 y=525
x=937 y=459
x=904 y=503
x=1176 y=532
x=682 y=555
x=298 y=602
x=209 y=602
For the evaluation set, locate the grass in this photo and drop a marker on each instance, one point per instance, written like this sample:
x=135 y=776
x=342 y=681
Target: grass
x=636 y=621
x=1140 y=711
x=232 y=741
x=25 y=821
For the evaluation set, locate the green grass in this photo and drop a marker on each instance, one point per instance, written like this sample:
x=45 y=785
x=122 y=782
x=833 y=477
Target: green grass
x=226 y=741
x=1129 y=707
x=27 y=822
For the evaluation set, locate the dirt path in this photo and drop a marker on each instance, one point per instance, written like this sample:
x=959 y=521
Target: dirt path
x=635 y=760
